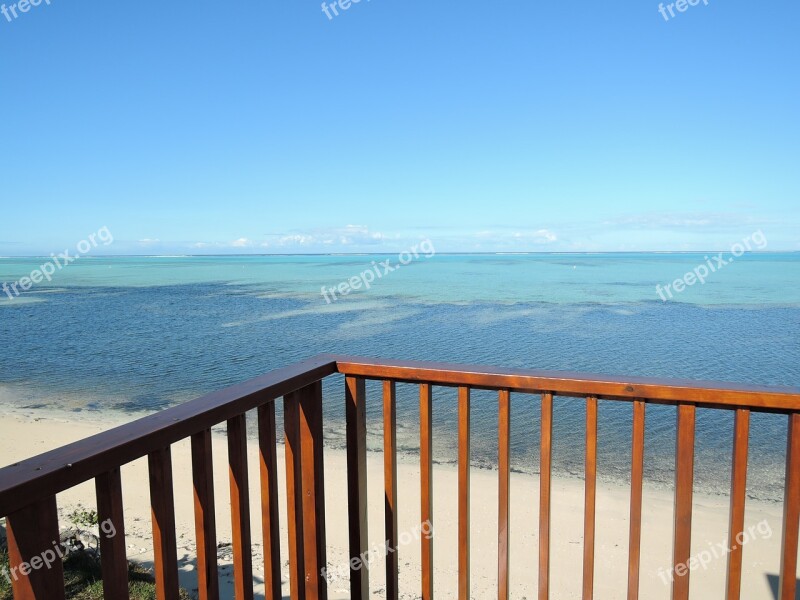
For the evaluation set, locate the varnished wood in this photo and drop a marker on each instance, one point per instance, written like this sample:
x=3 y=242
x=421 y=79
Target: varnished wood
x=741 y=433
x=313 y=474
x=205 y=525
x=390 y=488
x=240 y=508
x=504 y=485
x=270 y=518
x=637 y=474
x=545 y=470
x=565 y=383
x=294 y=496
x=31 y=532
x=590 y=491
x=38 y=479
x=356 y=417
x=684 y=479
x=70 y=465
x=426 y=484
x=463 y=493
x=787 y=585
x=162 y=506
x=113 y=555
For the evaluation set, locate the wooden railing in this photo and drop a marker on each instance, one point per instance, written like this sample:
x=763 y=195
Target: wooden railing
x=28 y=489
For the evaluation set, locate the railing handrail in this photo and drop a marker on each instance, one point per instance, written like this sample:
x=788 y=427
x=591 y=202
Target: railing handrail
x=73 y=464
x=716 y=394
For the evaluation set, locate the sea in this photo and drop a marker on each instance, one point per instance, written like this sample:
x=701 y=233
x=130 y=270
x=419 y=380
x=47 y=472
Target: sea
x=136 y=334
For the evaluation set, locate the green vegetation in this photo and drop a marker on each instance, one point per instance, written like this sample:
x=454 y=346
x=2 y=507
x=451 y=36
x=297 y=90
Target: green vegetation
x=84 y=518
x=83 y=579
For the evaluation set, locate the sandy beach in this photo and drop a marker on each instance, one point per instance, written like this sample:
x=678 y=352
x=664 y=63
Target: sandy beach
x=26 y=432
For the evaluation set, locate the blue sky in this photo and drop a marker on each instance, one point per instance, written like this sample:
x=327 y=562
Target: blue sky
x=264 y=126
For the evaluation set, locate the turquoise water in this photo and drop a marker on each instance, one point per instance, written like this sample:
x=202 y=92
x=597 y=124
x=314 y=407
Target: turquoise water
x=758 y=279
x=142 y=333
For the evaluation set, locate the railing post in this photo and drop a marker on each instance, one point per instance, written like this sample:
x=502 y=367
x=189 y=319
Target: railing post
x=684 y=478
x=305 y=483
x=313 y=490
x=113 y=556
x=204 y=516
x=240 y=508
x=162 y=506
x=36 y=570
x=787 y=585
x=545 y=472
x=355 y=411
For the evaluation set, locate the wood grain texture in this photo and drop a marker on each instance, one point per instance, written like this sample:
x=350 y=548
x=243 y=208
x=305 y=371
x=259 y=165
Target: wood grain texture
x=205 y=525
x=313 y=474
x=684 y=481
x=463 y=493
x=162 y=507
x=270 y=516
x=240 y=508
x=356 y=417
x=564 y=383
x=787 y=585
x=113 y=554
x=31 y=532
x=504 y=493
x=590 y=493
x=390 y=488
x=545 y=471
x=741 y=434
x=70 y=465
x=426 y=485
x=637 y=474
x=294 y=496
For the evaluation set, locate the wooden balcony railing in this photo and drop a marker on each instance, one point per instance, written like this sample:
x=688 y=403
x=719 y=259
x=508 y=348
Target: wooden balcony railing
x=28 y=489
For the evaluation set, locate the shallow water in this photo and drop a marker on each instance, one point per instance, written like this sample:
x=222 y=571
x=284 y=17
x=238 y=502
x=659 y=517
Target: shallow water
x=138 y=333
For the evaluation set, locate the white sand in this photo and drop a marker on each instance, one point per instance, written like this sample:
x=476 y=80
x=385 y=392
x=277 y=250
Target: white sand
x=24 y=433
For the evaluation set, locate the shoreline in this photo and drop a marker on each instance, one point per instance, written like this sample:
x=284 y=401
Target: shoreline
x=27 y=432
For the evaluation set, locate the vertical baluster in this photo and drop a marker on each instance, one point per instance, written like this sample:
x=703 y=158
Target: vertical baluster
x=741 y=431
x=787 y=585
x=463 y=493
x=390 y=487
x=684 y=479
x=355 y=412
x=240 y=508
x=589 y=498
x=113 y=556
x=162 y=504
x=545 y=468
x=637 y=474
x=205 y=526
x=294 y=496
x=313 y=476
x=270 y=523
x=33 y=531
x=504 y=485
x=426 y=484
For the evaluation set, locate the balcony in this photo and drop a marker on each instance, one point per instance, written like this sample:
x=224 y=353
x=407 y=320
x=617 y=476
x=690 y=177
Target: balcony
x=28 y=489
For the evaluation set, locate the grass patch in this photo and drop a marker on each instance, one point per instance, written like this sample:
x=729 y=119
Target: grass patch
x=83 y=579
